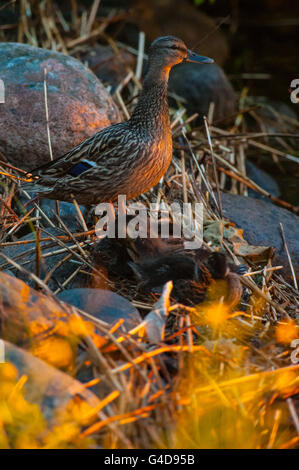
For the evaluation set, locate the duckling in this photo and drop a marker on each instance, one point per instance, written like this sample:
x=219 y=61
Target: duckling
x=191 y=275
x=127 y=158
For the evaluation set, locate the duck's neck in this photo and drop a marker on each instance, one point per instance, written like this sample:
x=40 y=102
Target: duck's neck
x=151 y=111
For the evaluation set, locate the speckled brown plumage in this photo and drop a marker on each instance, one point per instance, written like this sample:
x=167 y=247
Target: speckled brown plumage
x=155 y=261
x=126 y=158
x=191 y=275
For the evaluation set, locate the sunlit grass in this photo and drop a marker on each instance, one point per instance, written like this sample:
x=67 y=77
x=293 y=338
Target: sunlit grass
x=23 y=426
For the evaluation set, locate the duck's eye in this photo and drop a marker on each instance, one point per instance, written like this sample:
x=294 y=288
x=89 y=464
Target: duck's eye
x=178 y=48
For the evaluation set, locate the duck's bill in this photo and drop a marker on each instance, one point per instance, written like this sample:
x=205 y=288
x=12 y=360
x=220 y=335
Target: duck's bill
x=199 y=59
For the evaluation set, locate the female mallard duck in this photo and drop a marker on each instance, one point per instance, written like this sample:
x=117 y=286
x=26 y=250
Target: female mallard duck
x=127 y=158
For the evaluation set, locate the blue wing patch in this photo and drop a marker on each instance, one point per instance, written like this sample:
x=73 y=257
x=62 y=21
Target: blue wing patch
x=81 y=167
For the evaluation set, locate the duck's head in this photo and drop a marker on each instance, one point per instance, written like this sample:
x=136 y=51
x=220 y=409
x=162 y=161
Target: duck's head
x=168 y=51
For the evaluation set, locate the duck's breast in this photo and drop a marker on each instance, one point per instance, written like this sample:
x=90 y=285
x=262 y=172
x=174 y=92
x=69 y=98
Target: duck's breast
x=151 y=166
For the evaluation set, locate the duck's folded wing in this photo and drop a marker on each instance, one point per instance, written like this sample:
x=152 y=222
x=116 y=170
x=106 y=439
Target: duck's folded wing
x=89 y=154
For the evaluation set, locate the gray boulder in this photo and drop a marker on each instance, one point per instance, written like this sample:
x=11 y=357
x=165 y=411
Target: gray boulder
x=78 y=104
x=260 y=221
x=103 y=304
x=200 y=85
x=263 y=179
